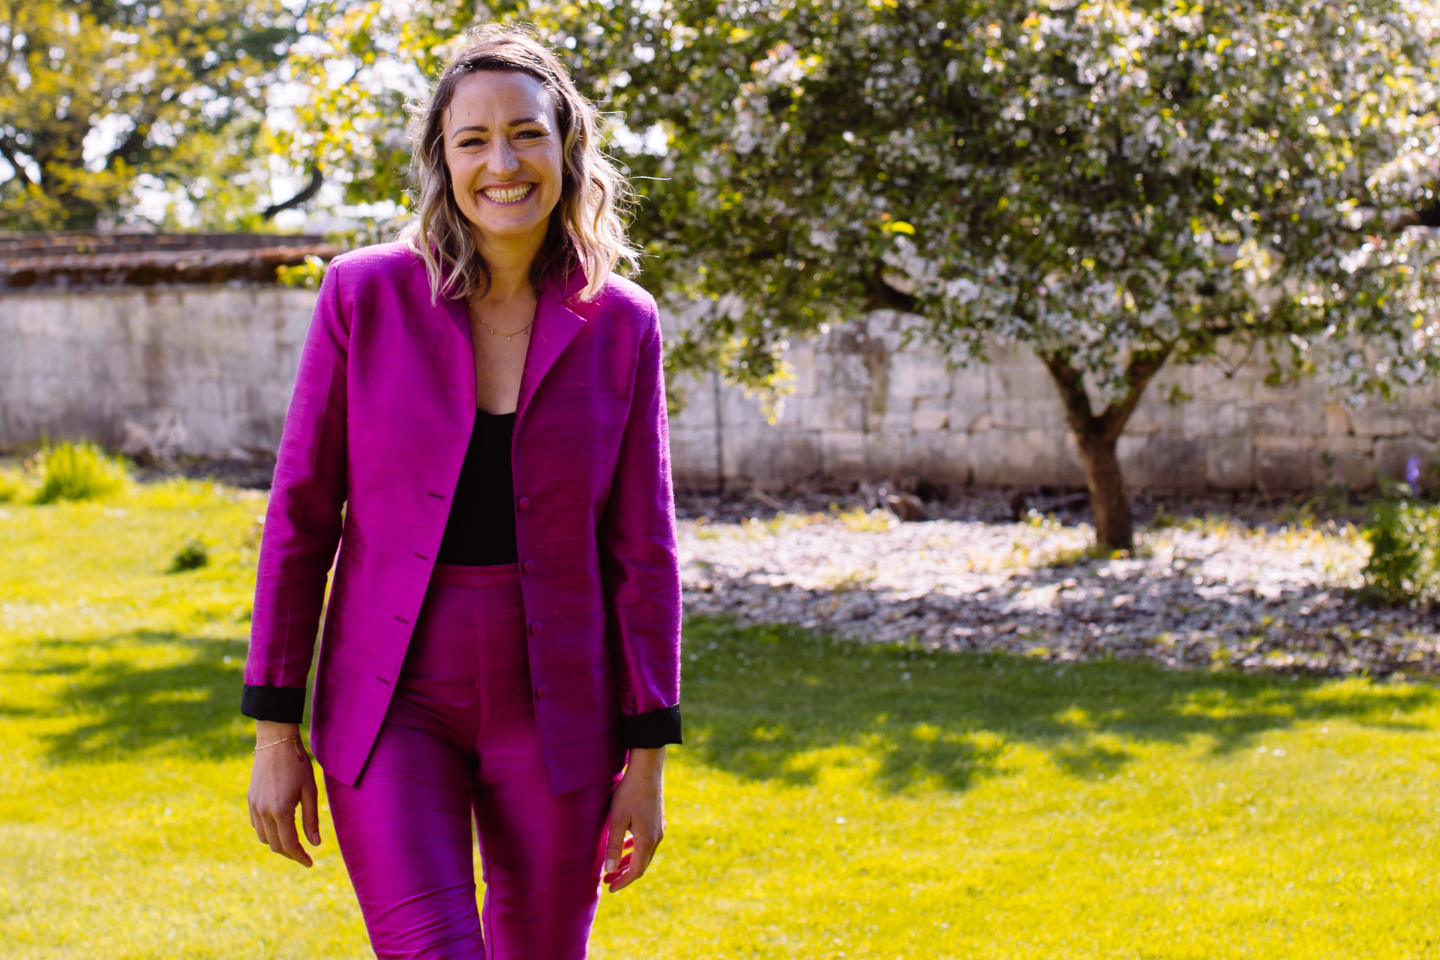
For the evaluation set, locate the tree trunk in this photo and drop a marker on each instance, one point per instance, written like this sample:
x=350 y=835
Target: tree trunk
x=1109 y=503
x=1097 y=435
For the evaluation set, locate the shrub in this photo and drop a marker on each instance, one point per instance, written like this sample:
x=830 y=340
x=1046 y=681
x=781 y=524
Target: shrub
x=192 y=555
x=13 y=487
x=78 y=471
x=306 y=275
x=1404 y=564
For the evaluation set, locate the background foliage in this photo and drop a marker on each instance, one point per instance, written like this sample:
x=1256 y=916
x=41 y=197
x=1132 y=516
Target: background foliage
x=101 y=98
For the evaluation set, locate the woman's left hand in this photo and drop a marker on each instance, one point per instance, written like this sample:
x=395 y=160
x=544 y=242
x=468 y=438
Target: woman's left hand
x=638 y=806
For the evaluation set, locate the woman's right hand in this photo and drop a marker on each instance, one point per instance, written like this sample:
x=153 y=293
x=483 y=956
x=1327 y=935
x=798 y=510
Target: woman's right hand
x=280 y=779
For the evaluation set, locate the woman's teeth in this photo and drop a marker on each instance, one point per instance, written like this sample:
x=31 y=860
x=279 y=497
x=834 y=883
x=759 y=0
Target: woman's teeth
x=508 y=194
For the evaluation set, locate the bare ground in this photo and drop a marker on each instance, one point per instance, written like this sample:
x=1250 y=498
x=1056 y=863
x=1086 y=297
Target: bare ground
x=1247 y=584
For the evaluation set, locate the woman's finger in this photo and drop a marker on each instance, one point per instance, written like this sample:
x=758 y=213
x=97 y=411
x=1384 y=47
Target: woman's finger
x=272 y=836
x=645 y=845
x=269 y=835
x=255 y=822
x=290 y=841
x=624 y=876
x=285 y=841
x=310 y=812
x=615 y=845
x=615 y=879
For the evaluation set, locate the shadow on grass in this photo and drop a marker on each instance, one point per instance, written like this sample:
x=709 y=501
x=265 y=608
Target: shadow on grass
x=767 y=702
x=188 y=704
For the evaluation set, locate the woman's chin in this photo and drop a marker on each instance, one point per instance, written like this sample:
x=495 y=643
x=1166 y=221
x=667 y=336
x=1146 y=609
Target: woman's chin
x=491 y=230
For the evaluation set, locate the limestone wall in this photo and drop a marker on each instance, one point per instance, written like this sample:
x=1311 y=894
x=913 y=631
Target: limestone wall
x=867 y=407
x=208 y=370
x=204 y=370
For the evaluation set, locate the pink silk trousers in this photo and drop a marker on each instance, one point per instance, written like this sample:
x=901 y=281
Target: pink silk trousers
x=460 y=736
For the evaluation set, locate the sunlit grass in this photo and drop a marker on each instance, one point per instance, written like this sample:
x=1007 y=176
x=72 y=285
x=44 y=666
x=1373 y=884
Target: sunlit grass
x=1003 y=807
x=832 y=799
x=121 y=798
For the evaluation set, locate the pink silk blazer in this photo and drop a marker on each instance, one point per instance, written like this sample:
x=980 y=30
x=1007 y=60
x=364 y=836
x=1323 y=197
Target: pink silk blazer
x=376 y=432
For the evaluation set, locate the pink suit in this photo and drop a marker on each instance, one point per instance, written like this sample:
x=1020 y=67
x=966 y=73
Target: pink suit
x=379 y=423
x=460 y=736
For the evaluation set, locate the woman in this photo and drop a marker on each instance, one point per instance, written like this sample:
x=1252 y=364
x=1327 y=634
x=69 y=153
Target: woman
x=479 y=423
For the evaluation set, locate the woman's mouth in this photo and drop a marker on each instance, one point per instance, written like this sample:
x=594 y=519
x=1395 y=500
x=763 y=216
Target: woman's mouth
x=508 y=195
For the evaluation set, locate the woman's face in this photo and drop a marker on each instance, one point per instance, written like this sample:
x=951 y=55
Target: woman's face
x=502 y=145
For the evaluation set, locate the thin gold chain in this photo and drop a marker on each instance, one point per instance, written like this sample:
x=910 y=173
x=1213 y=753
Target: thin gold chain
x=508 y=336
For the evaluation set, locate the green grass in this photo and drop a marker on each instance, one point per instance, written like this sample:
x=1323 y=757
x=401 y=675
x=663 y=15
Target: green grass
x=833 y=800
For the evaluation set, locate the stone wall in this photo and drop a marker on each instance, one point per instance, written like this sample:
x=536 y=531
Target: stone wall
x=207 y=370
x=203 y=370
x=866 y=406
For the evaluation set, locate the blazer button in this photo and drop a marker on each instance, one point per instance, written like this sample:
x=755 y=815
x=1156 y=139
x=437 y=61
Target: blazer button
x=536 y=626
x=541 y=692
x=528 y=566
x=523 y=503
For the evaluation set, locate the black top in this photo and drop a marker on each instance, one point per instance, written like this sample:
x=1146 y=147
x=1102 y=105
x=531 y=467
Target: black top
x=481 y=528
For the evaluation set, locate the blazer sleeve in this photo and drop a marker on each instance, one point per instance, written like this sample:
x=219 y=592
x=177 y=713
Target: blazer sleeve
x=640 y=561
x=303 y=520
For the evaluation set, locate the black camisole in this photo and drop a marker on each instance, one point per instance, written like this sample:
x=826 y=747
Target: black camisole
x=481 y=528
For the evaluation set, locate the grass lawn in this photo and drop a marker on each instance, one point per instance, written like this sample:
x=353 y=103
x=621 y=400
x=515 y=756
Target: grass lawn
x=832 y=800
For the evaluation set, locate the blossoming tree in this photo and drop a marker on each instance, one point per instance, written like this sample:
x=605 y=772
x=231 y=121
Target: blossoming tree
x=1114 y=185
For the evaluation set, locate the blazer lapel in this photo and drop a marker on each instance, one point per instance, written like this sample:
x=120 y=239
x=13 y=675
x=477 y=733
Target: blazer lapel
x=555 y=326
x=459 y=343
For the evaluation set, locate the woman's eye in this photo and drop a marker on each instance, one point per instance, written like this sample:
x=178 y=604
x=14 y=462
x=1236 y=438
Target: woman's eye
x=472 y=142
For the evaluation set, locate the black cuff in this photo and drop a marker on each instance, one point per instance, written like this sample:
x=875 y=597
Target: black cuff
x=276 y=704
x=645 y=731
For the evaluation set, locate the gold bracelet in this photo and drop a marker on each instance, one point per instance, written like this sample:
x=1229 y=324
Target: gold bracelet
x=299 y=744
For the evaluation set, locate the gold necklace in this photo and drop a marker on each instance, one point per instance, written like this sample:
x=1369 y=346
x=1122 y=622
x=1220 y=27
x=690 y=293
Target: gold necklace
x=496 y=333
x=509 y=337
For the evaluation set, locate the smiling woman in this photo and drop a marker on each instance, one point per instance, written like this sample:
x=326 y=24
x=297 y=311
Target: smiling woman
x=478 y=424
x=505 y=117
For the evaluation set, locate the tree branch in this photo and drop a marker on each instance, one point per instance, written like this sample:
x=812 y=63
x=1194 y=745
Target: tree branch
x=1110 y=422
x=317 y=180
x=1071 y=384
x=9 y=156
x=1138 y=373
x=131 y=144
x=879 y=295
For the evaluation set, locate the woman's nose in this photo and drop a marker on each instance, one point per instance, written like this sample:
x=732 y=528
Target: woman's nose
x=502 y=158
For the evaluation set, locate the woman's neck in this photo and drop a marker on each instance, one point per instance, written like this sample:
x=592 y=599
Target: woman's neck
x=509 y=264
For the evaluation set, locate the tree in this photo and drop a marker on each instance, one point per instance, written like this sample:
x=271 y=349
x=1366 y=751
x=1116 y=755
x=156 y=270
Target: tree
x=99 y=97
x=1114 y=186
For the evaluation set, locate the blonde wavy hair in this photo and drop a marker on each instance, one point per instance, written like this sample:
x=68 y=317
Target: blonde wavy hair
x=586 y=229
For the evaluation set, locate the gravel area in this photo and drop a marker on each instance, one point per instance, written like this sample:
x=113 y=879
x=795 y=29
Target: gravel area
x=1200 y=593
x=1242 y=582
